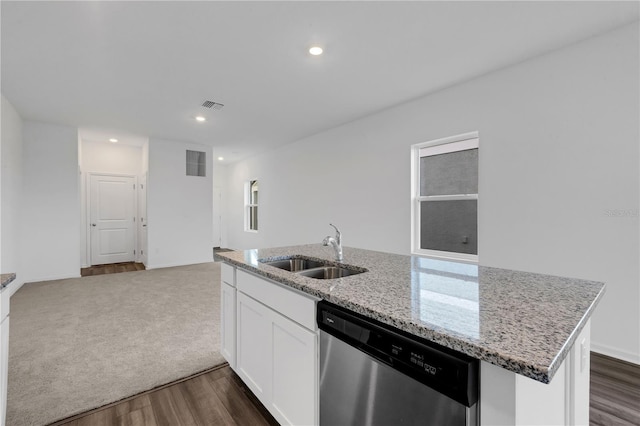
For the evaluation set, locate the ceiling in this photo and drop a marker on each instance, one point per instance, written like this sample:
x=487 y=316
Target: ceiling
x=133 y=70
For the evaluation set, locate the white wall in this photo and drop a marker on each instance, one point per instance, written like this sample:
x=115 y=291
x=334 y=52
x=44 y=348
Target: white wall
x=10 y=191
x=108 y=158
x=50 y=217
x=179 y=207
x=219 y=204
x=559 y=151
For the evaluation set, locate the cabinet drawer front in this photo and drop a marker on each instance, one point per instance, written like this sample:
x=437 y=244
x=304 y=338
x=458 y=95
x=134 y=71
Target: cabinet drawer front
x=288 y=302
x=227 y=272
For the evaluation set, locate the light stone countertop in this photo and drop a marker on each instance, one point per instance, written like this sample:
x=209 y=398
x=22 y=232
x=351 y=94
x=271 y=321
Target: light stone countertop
x=6 y=279
x=523 y=322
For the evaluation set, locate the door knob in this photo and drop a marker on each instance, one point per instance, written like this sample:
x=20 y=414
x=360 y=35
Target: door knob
x=144 y=226
x=93 y=224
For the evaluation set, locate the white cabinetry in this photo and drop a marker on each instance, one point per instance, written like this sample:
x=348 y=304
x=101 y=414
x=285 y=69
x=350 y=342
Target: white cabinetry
x=254 y=355
x=512 y=399
x=293 y=376
x=276 y=347
x=4 y=351
x=228 y=315
x=4 y=348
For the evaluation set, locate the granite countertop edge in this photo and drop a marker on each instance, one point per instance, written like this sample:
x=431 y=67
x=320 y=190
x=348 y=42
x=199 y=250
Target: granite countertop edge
x=6 y=279
x=557 y=361
x=322 y=289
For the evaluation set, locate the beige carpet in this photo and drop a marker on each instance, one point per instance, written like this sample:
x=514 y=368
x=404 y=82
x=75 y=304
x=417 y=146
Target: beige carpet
x=80 y=343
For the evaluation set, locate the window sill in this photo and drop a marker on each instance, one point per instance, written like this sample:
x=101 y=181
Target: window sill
x=448 y=256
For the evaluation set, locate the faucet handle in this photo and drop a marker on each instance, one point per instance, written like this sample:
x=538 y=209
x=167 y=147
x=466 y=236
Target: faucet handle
x=338 y=233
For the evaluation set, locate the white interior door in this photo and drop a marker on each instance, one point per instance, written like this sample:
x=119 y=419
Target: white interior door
x=112 y=219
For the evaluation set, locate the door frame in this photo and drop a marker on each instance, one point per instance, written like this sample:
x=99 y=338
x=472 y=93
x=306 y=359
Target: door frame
x=142 y=244
x=88 y=211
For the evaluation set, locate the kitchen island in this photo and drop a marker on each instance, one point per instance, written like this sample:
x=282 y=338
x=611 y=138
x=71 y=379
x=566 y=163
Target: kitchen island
x=5 y=294
x=529 y=331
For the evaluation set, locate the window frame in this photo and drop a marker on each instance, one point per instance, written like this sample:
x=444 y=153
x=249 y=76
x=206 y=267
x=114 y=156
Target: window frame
x=455 y=143
x=248 y=206
x=200 y=166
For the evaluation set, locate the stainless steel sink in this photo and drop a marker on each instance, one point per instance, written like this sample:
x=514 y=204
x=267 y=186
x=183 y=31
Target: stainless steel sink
x=319 y=269
x=294 y=264
x=329 y=272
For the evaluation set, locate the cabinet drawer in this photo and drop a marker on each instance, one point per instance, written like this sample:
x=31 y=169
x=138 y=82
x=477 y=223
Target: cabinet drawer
x=288 y=302
x=227 y=272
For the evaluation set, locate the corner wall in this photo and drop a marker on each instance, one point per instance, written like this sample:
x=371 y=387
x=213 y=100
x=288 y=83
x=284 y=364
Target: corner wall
x=10 y=191
x=559 y=175
x=179 y=207
x=50 y=218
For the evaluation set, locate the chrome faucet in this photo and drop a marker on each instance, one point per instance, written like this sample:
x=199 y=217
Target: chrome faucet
x=336 y=243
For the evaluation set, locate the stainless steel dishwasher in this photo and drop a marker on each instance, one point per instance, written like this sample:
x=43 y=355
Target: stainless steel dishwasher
x=373 y=374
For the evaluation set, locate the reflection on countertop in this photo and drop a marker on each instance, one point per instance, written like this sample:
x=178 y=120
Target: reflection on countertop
x=521 y=321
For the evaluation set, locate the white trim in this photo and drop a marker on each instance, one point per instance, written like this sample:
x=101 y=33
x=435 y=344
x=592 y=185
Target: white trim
x=470 y=140
x=449 y=139
x=615 y=353
x=456 y=197
x=248 y=204
x=570 y=387
x=50 y=278
x=447 y=255
x=173 y=265
x=445 y=148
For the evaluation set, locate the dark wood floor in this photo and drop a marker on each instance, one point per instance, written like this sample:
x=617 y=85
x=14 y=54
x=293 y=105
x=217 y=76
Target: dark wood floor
x=111 y=268
x=614 y=393
x=218 y=397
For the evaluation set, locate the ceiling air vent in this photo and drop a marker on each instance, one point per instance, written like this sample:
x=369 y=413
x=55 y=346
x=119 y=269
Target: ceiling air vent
x=212 y=105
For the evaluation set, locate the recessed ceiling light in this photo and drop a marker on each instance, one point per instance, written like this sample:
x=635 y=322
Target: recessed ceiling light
x=113 y=140
x=220 y=158
x=316 y=50
x=200 y=118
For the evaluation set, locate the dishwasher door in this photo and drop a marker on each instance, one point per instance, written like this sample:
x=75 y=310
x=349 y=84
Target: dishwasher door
x=356 y=389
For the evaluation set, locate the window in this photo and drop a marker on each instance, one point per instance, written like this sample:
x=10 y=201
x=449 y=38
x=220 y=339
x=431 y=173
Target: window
x=251 y=205
x=445 y=198
x=196 y=163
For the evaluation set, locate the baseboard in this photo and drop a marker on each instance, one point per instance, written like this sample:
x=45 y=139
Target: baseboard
x=52 y=277
x=172 y=265
x=615 y=353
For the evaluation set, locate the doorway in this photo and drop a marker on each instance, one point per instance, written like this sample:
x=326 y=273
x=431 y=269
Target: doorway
x=112 y=207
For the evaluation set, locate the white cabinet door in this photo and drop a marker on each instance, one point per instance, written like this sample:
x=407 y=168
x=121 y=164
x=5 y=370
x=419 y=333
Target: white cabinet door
x=228 y=323
x=253 y=356
x=276 y=351
x=4 y=368
x=293 y=375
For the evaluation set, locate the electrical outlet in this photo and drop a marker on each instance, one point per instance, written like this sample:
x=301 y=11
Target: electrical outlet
x=583 y=354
